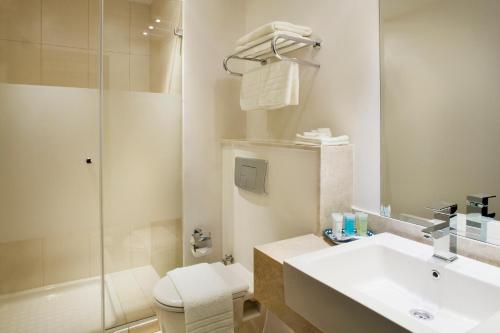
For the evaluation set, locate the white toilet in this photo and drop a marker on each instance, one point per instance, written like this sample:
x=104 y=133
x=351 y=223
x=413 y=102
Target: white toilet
x=169 y=306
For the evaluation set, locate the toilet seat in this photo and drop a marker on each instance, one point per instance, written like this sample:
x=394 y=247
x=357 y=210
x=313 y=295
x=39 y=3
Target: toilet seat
x=167 y=297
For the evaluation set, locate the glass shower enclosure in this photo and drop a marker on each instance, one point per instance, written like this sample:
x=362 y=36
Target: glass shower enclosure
x=90 y=161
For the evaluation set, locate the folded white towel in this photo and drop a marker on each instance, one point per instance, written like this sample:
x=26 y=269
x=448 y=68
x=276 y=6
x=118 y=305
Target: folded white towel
x=284 y=49
x=264 y=49
x=208 y=302
x=270 y=86
x=271 y=27
x=266 y=38
x=323 y=140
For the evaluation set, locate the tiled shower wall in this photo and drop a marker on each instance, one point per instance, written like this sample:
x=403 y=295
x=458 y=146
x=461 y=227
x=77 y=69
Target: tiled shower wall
x=44 y=261
x=55 y=42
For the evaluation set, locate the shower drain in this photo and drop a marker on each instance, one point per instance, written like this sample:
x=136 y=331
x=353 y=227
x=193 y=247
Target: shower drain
x=421 y=314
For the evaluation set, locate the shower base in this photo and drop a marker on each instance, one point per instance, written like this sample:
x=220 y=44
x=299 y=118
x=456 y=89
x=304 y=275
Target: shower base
x=75 y=306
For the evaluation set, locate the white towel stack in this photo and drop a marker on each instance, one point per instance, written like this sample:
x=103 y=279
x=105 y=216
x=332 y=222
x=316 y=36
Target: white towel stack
x=258 y=41
x=321 y=136
x=275 y=85
x=208 y=302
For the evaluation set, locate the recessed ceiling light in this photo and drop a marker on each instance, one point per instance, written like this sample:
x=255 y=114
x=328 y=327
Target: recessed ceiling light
x=157 y=20
x=145 y=33
x=151 y=27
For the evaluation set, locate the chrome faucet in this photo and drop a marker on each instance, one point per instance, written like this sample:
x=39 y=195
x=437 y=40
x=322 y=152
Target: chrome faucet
x=478 y=204
x=444 y=242
x=477 y=217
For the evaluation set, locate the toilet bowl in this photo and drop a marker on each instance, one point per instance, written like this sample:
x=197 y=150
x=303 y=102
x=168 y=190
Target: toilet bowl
x=170 y=308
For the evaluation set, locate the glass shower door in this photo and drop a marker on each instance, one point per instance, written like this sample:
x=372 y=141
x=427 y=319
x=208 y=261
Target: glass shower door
x=142 y=210
x=50 y=254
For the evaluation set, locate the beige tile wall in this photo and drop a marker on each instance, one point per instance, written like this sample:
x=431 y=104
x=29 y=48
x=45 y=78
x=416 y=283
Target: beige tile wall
x=61 y=258
x=55 y=42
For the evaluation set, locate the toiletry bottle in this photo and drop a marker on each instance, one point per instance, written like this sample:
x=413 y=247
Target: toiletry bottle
x=337 y=225
x=361 y=224
x=349 y=224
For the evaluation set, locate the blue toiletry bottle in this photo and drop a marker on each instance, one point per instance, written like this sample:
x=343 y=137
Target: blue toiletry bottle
x=349 y=224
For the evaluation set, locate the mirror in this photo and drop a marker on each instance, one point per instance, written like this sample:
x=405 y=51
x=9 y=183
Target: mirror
x=440 y=110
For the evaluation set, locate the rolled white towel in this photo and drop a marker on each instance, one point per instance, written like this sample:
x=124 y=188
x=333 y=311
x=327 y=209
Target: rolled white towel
x=272 y=27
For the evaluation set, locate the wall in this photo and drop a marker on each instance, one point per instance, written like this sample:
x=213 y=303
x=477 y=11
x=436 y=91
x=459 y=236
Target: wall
x=440 y=128
x=56 y=42
x=343 y=94
x=289 y=209
x=34 y=49
x=210 y=112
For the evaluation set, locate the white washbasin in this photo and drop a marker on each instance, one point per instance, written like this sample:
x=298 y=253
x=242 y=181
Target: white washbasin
x=392 y=276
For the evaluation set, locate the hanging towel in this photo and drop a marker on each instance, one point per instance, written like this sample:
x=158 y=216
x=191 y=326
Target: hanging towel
x=270 y=86
x=271 y=27
x=208 y=302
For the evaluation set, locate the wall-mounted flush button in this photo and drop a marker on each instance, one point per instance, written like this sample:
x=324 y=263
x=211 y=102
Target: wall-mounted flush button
x=250 y=174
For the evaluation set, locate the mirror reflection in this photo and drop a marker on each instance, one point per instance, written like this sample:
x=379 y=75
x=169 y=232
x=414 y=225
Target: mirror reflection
x=440 y=106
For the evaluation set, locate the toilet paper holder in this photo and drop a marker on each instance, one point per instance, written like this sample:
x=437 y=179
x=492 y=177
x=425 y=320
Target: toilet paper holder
x=200 y=239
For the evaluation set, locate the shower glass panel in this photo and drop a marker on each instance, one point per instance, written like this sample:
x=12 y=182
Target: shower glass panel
x=141 y=153
x=50 y=254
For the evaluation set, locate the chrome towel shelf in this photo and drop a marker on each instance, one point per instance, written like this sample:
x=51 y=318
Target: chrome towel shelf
x=274 y=51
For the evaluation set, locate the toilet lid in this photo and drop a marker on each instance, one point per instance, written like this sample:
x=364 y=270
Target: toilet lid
x=166 y=294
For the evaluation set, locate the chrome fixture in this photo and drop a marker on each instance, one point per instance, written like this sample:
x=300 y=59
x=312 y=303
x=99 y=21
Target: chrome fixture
x=477 y=217
x=478 y=204
x=421 y=314
x=274 y=52
x=178 y=32
x=228 y=259
x=444 y=242
x=201 y=239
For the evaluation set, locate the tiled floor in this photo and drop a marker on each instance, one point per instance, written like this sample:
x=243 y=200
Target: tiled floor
x=74 y=306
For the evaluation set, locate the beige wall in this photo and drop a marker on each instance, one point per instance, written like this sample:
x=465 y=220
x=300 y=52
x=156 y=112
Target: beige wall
x=441 y=75
x=56 y=42
x=343 y=94
x=290 y=209
x=211 y=112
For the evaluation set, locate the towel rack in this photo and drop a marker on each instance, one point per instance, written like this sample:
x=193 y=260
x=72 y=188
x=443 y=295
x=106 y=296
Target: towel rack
x=274 y=52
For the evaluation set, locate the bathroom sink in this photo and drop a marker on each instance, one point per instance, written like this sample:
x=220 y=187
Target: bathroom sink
x=392 y=281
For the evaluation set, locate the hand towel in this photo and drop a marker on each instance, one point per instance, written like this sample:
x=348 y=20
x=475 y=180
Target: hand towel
x=208 y=302
x=271 y=27
x=271 y=86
